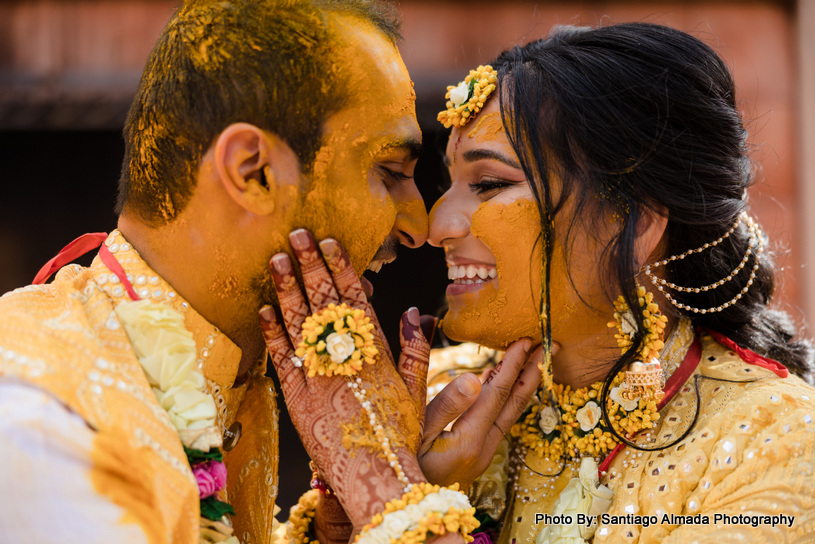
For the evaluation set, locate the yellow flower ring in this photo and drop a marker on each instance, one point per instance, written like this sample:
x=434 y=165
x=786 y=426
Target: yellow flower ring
x=337 y=340
x=467 y=98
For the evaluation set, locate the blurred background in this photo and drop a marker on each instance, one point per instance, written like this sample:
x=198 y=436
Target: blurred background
x=69 y=68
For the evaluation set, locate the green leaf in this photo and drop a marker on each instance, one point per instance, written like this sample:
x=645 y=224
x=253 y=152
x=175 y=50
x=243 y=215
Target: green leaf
x=213 y=509
x=197 y=456
x=470 y=89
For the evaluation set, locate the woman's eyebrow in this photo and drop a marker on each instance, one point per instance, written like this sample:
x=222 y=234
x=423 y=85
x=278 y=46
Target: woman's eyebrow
x=482 y=154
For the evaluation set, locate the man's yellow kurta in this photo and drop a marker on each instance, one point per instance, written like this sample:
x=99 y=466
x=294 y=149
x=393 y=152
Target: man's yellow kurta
x=65 y=338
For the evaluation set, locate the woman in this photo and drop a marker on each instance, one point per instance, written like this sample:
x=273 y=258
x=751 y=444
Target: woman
x=587 y=167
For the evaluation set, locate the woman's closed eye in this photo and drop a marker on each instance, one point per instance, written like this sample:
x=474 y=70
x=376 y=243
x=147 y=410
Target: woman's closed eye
x=490 y=186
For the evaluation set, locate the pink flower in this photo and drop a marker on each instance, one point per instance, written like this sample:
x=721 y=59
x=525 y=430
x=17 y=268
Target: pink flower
x=211 y=478
x=484 y=537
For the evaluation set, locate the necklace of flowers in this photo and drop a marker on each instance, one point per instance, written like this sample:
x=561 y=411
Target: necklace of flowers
x=166 y=351
x=574 y=427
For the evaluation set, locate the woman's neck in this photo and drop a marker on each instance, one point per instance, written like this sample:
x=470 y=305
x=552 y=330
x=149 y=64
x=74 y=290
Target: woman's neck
x=588 y=351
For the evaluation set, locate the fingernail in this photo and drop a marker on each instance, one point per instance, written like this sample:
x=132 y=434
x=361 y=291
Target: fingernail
x=527 y=343
x=413 y=316
x=328 y=246
x=267 y=313
x=281 y=264
x=555 y=348
x=300 y=239
x=467 y=387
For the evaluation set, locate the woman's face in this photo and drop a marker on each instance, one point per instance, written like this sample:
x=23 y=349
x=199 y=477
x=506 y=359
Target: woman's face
x=489 y=226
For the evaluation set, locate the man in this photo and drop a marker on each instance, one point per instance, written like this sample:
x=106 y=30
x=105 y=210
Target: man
x=252 y=119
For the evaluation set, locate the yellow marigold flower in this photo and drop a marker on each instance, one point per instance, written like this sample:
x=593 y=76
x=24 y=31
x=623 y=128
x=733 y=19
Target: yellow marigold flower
x=336 y=340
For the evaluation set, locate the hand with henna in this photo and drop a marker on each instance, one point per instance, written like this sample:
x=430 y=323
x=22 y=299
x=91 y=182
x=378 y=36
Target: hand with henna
x=483 y=414
x=328 y=417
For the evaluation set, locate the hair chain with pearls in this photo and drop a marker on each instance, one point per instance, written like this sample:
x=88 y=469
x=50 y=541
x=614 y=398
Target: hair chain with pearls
x=754 y=247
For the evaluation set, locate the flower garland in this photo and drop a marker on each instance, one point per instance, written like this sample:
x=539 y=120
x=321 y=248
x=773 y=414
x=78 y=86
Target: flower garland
x=300 y=517
x=337 y=340
x=575 y=426
x=424 y=510
x=166 y=351
x=653 y=323
x=467 y=98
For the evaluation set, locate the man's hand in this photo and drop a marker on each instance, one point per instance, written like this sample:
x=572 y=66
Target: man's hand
x=485 y=414
x=330 y=420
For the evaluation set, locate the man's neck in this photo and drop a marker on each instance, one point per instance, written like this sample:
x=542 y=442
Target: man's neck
x=180 y=254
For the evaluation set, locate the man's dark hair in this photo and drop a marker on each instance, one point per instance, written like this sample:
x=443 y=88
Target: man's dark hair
x=218 y=62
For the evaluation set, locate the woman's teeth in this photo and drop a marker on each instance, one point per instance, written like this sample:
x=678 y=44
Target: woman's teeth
x=471 y=274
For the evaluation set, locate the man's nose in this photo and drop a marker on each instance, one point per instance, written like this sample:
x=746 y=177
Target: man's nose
x=411 y=222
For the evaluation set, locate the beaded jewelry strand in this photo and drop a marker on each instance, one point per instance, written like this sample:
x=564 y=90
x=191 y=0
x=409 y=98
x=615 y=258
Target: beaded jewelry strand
x=754 y=246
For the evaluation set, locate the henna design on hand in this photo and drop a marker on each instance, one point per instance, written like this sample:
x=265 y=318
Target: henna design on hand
x=320 y=407
x=331 y=523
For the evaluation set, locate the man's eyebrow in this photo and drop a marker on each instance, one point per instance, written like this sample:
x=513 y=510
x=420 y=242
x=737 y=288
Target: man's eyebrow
x=487 y=154
x=411 y=145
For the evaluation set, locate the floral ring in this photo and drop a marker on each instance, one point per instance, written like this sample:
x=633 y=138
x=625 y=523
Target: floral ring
x=337 y=340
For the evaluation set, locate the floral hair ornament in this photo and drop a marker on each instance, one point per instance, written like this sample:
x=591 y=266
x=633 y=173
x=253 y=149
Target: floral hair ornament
x=337 y=340
x=644 y=378
x=466 y=99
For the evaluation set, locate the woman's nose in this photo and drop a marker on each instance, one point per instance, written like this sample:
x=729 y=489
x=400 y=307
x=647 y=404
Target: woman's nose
x=448 y=222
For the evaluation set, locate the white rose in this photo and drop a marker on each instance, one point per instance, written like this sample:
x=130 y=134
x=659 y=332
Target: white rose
x=395 y=524
x=434 y=503
x=550 y=417
x=589 y=416
x=582 y=495
x=596 y=498
x=339 y=346
x=629 y=324
x=617 y=396
x=459 y=94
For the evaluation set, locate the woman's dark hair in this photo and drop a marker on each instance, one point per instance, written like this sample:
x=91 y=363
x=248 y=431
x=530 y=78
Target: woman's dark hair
x=639 y=118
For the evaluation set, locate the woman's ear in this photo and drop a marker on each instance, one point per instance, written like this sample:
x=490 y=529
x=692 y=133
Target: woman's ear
x=252 y=165
x=650 y=231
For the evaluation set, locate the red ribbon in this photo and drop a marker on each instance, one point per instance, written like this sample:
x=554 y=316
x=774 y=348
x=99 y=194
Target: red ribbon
x=74 y=250
x=82 y=245
x=749 y=356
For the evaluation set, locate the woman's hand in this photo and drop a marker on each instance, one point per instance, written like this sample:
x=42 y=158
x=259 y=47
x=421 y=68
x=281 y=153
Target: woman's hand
x=329 y=419
x=487 y=411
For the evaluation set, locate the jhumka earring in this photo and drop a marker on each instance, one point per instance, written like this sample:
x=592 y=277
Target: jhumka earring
x=644 y=379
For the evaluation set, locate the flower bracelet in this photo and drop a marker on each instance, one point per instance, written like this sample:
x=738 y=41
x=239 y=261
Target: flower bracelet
x=424 y=510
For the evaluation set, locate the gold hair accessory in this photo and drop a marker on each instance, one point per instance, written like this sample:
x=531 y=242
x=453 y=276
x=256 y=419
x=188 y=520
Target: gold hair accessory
x=337 y=340
x=643 y=379
x=754 y=245
x=466 y=99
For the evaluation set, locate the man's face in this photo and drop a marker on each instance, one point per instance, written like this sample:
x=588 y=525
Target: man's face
x=362 y=191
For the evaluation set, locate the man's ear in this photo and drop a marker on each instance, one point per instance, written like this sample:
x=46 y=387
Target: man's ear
x=252 y=165
x=650 y=230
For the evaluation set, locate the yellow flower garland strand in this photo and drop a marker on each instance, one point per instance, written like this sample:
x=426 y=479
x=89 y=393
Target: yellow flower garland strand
x=652 y=321
x=300 y=517
x=568 y=439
